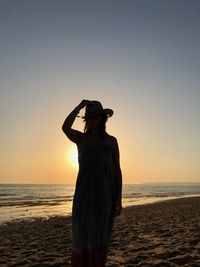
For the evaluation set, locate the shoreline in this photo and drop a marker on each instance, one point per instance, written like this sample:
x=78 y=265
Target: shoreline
x=60 y=210
x=165 y=233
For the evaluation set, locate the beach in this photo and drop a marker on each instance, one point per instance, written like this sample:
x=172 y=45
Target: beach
x=160 y=234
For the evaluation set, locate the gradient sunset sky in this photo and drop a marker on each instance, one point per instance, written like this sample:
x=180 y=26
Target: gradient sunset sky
x=139 y=57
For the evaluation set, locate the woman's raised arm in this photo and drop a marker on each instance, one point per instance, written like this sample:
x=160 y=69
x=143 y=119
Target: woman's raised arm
x=72 y=134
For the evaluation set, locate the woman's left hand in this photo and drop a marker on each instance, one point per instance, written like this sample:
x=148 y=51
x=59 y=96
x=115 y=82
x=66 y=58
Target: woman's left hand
x=118 y=209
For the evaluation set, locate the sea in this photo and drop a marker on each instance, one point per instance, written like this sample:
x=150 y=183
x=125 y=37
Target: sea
x=30 y=201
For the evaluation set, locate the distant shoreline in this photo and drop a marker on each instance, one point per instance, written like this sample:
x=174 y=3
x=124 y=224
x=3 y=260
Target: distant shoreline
x=148 y=183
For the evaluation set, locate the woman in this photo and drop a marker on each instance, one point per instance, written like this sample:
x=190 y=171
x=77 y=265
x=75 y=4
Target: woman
x=97 y=198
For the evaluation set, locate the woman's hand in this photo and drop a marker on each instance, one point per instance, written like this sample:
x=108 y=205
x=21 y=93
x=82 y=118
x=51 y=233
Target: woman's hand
x=83 y=103
x=118 y=208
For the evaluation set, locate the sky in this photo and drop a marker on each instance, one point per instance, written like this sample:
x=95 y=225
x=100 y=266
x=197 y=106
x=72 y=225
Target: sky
x=140 y=58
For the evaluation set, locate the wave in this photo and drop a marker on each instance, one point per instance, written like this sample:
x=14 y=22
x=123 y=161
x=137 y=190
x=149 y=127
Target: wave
x=34 y=197
x=7 y=195
x=159 y=195
x=35 y=201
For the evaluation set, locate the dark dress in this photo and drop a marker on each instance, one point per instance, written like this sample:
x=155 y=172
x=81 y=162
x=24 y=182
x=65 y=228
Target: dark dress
x=93 y=205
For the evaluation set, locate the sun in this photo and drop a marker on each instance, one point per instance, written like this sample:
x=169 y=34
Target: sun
x=72 y=156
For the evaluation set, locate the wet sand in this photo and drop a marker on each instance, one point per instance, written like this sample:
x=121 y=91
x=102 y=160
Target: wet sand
x=159 y=234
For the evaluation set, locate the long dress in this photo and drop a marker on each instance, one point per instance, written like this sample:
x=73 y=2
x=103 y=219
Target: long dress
x=93 y=205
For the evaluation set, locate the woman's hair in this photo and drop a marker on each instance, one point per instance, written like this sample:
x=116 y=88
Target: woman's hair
x=102 y=125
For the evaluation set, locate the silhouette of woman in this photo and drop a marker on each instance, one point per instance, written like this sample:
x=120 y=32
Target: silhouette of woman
x=97 y=198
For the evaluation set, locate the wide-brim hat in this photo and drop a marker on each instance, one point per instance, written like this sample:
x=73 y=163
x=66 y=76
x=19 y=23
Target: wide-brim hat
x=95 y=107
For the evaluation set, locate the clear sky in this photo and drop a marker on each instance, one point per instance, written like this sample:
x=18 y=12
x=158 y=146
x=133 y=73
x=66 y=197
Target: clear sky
x=139 y=57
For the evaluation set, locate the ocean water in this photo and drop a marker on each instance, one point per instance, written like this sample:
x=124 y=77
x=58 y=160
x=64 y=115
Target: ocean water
x=27 y=201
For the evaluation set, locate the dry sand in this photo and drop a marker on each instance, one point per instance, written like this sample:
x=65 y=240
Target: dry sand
x=159 y=234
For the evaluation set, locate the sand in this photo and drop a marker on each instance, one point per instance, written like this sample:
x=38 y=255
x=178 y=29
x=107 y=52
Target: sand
x=159 y=234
